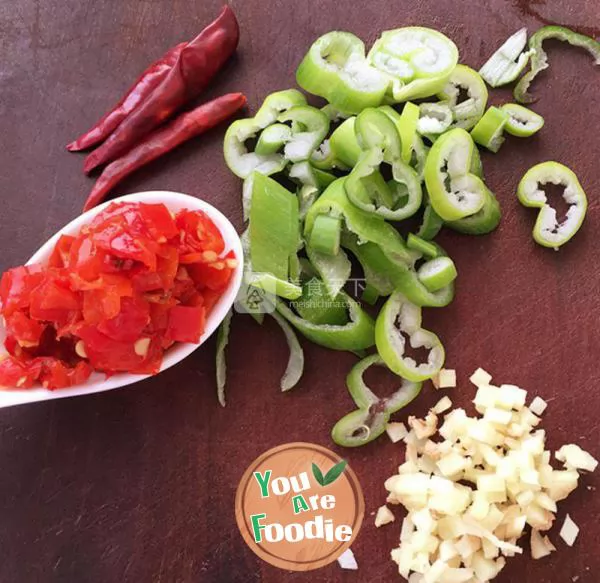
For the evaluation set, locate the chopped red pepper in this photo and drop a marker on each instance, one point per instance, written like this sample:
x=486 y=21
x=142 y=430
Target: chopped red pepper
x=112 y=298
x=186 y=323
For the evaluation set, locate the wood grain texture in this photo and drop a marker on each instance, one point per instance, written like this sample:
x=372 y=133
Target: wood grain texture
x=138 y=484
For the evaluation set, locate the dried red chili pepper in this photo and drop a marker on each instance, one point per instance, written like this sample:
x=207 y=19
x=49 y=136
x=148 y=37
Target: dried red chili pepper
x=144 y=86
x=197 y=64
x=188 y=125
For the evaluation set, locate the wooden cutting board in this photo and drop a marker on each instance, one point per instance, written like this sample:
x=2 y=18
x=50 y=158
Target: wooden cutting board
x=138 y=484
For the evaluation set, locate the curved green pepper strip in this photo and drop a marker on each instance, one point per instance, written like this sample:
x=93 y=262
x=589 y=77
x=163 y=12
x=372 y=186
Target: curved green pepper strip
x=334 y=270
x=417 y=61
x=220 y=361
x=333 y=113
x=344 y=144
x=539 y=60
x=323 y=158
x=431 y=225
x=508 y=62
x=414 y=151
x=272 y=139
x=407 y=129
x=324 y=178
x=335 y=68
x=521 y=122
x=468 y=112
x=375 y=129
x=489 y=129
x=373 y=414
x=483 y=221
x=434 y=118
x=367 y=227
x=310 y=187
x=437 y=273
x=373 y=262
x=309 y=128
x=385 y=275
x=369 y=295
x=356 y=334
x=547 y=231
x=295 y=366
x=325 y=235
x=476 y=164
x=314 y=306
x=273 y=236
x=399 y=318
x=422 y=246
x=454 y=192
x=396 y=200
x=365 y=186
x=237 y=157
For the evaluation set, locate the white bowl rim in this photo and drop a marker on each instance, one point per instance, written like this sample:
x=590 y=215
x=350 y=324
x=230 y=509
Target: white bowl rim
x=98 y=382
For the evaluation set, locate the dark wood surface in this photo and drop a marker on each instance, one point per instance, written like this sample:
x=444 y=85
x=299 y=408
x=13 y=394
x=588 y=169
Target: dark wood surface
x=138 y=484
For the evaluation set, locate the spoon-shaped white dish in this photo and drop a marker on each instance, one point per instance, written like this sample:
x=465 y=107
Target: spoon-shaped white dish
x=174 y=201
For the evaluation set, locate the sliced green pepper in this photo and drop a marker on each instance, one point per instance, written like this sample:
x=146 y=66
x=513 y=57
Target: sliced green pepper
x=309 y=128
x=221 y=363
x=313 y=305
x=521 y=122
x=325 y=234
x=375 y=129
x=548 y=231
x=272 y=139
x=333 y=113
x=454 y=192
x=273 y=235
x=373 y=414
x=434 y=118
x=334 y=270
x=334 y=202
x=437 y=273
x=489 y=129
x=373 y=262
x=417 y=61
x=378 y=136
x=539 y=59
x=407 y=128
x=295 y=366
x=397 y=319
x=335 y=68
x=395 y=200
x=468 y=112
x=310 y=187
x=483 y=221
x=431 y=225
x=385 y=275
x=421 y=245
x=356 y=334
x=242 y=162
x=508 y=62
x=344 y=144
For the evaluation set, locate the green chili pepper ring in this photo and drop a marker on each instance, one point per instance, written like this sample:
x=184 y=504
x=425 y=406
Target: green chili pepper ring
x=547 y=231
x=370 y=419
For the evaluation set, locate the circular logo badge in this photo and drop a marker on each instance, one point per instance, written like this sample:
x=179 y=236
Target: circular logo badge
x=299 y=506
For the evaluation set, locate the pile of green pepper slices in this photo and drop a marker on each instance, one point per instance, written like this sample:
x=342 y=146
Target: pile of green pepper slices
x=297 y=243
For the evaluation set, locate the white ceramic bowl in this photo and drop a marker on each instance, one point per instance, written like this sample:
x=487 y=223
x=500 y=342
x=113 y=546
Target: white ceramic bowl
x=174 y=201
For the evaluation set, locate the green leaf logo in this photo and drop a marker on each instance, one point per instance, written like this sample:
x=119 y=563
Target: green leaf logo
x=331 y=476
x=317 y=473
